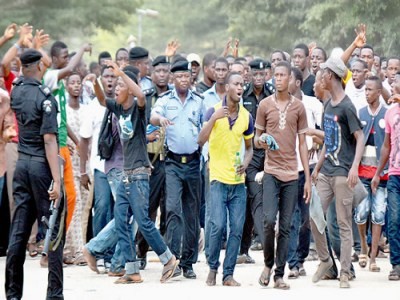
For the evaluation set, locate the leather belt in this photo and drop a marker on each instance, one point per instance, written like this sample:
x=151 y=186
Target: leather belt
x=183 y=158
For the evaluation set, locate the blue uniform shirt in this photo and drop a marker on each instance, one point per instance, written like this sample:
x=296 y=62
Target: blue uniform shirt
x=181 y=137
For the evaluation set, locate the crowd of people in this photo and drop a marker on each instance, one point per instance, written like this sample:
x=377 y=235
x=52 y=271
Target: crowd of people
x=296 y=155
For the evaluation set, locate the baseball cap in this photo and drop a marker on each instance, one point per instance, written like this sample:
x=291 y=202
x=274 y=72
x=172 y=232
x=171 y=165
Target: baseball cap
x=193 y=57
x=336 y=65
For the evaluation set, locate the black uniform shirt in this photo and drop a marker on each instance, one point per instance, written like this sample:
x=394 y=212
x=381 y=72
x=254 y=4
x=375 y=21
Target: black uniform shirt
x=36 y=112
x=250 y=101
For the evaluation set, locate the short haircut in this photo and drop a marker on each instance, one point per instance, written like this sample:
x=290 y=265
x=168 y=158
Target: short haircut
x=363 y=62
x=119 y=50
x=303 y=47
x=375 y=79
x=367 y=46
x=394 y=58
x=380 y=59
x=229 y=56
x=281 y=52
x=208 y=59
x=298 y=75
x=104 y=54
x=284 y=64
x=230 y=75
x=103 y=68
x=240 y=60
x=93 y=65
x=323 y=52
x=131 y=69
x=221 y=60
x=57 y=47
x=72 y=74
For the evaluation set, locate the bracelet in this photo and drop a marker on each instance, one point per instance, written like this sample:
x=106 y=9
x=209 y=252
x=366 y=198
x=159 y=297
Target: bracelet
x=83 y=174
x=17 y=46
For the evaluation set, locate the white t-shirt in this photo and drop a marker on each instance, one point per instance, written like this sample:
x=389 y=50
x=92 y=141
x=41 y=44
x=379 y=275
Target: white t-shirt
x=357 y=96
x=90 y=128
x=314 y=111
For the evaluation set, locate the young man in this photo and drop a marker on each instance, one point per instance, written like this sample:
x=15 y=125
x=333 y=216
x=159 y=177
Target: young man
x=390 y=154
x=355 y=88
x=300 y=232
x=228 y=123
x=338 y=164
x=301 y=60
x=133 y=191
x=282 y=117
x=208 y=73
x=374 y=205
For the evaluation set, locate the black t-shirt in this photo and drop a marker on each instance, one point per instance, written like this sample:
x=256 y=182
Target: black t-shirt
x=339 y=124
x=202 y=87
x=36 y=112
x=308 y=86
x=132 y=125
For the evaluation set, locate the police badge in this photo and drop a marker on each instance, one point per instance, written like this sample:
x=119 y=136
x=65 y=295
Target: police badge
x=47 y=106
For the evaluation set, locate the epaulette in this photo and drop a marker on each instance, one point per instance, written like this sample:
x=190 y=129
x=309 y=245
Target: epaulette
x=45 y=90
x=270 y=87
x=149 y=91
x=165 y=93
x=198 y=94
x=18 y=81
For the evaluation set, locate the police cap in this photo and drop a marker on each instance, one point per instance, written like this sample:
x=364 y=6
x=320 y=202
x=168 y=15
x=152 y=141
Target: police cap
x=258 y=64
x=161 y=59
x=30 y=56
x=181 y=66
x=138 y=53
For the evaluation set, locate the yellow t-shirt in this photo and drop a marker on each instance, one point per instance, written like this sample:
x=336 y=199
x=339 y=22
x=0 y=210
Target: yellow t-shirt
x=224 y=141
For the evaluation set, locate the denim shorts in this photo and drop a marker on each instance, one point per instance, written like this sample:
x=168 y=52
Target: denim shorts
x=374 y=204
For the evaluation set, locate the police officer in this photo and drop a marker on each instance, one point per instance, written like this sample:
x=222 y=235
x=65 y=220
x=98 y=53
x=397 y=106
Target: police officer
x=181 y=112
x=37 y=166
x=257 y=90
x=155 y=149
x=139 y=58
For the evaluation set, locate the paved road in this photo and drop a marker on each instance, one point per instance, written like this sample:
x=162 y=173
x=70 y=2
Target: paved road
x=81 y=283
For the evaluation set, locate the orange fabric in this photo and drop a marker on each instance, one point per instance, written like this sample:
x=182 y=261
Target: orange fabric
x=68 y=184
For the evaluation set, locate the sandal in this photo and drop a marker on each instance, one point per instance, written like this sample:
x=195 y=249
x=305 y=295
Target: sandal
x=131 y=278
x=362 y=260
x=229 y=281
x=211 y=278
x=80 y=260
x=394 y=275
x=374 y=268
x=265 y=276
x=169 y=269
x=280 y=284
x=32 y=249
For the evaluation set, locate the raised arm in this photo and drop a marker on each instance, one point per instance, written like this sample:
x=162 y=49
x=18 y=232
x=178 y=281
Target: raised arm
x=75 y=60
x=358 y=42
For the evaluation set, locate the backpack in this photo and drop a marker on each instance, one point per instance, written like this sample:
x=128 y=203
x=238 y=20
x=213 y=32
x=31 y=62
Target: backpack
x=106 y=140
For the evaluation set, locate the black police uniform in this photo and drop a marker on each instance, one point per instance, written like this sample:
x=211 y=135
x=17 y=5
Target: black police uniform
x=36 y=113
x=254 y=212
x=156 y=184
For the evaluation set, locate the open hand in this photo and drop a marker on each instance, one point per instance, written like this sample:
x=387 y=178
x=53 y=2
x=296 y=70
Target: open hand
x=10 y=31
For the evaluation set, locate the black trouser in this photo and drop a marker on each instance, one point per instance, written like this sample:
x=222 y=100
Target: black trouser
x=32 y=179
x=182 y=209
x=156 y=199
x=254 y=212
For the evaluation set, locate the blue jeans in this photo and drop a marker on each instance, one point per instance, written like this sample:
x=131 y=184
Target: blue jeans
x=103 y=202
x=133 y=197
x=223 y=198
x=393 y=189
x=300 y=231
x=278 y=196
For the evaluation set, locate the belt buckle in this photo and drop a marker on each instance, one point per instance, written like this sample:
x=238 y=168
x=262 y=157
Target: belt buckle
x=183 y=159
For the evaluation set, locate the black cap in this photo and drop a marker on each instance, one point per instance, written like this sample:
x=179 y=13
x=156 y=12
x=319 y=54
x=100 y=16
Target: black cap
x=138 y=53
x=258 y=64
x=30 y=56
x=132 y=69
x=181 y=66
x=161 y=59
